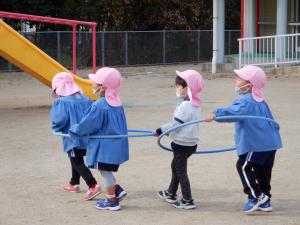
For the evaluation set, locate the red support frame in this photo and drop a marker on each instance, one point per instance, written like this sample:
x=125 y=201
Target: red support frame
x=242 y=17
x=257 y=17
x=257 y=23
x=72 y=23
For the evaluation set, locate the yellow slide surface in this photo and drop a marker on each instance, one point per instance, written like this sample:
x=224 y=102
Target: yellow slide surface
x=28 y=57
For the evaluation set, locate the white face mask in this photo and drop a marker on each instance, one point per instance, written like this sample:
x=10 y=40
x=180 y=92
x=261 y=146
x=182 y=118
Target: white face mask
x=190 y=94
x=239 y=91
x=97 y=91
x=179 y=91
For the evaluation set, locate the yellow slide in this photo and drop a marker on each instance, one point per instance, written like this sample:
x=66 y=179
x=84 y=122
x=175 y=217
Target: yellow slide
x=28 y=57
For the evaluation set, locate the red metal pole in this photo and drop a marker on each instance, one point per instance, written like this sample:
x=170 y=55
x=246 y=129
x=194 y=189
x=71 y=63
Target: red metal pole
x=94 y=48
x=257 y=25
x=74 y=48
x=44 y=19
x=242 y=18
x=257 y=18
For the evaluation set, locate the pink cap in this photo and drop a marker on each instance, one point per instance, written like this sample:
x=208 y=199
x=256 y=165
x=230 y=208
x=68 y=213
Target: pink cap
x=195 y=84
x=111 y=79
x=257 y=77
x=63 y=84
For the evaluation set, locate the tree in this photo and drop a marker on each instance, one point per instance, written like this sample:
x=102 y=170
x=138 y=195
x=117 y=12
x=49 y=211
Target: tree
x=127 y=14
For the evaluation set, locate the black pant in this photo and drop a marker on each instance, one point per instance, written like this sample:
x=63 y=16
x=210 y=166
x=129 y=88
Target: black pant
x=255 y=171
x=79 y=169
x=179 y=170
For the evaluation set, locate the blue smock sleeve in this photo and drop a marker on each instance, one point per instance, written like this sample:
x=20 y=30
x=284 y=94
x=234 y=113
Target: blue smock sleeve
x=90 y=123
x=238 y=108
x=59 y=116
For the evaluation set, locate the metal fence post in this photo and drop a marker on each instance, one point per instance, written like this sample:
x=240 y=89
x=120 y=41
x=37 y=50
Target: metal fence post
x=126 y=48
x=58 y=53
x=9 y=66
x=240 y=53
x=276 y=49
x=164 y=46
x=229 y=41
x=74 y=48
x=296 y=44
x=103 y=49
x=198 y=49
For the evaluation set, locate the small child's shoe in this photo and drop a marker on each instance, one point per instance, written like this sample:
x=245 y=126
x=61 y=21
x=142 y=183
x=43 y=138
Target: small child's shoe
x=170 y=198
x=266 y=207
x=92 y=193
x=253 y=204
x=72 y=188
x=184 y=204
x=120 y=192
x=250 y=205
x=110 y=204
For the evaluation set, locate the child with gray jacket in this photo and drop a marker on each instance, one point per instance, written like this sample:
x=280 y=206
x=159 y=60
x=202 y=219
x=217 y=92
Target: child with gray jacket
x=189 y=84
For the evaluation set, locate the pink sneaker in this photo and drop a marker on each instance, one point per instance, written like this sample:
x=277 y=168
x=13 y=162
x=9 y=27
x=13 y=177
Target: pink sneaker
x=92 y=193
x=72 y=188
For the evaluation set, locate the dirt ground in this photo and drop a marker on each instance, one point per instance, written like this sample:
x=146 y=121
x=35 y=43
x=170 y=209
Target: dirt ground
x=34 y=167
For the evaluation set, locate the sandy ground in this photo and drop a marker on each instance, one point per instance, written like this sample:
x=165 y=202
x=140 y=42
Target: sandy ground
x=34 y=168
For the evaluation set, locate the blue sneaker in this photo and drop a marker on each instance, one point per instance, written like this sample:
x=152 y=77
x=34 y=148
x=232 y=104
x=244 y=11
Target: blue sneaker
x=266 y=207
x=108 y=204
x=253 y=204
x=250 y=206
x=120 y=192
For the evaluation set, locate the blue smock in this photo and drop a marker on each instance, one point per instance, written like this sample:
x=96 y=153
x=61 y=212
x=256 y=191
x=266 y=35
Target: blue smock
x=103 y=119
x=251 y=135
x=65 y=112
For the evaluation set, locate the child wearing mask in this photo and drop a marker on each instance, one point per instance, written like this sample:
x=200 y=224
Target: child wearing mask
x=256 y=140
x=189 y=84
x=106 y=116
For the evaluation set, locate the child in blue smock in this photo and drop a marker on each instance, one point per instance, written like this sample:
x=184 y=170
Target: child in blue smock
x=256 y=140
x=67 y=109
x=106 y=117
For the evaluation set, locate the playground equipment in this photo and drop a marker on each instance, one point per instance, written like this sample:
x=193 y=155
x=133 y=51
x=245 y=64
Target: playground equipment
x=28 y=57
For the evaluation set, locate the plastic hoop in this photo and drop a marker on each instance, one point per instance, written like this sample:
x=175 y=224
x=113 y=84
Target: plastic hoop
x=147 y=133
x=216 y=119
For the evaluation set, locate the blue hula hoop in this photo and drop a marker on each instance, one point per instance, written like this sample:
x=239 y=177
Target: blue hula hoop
x=147 y=133
x=216 y=119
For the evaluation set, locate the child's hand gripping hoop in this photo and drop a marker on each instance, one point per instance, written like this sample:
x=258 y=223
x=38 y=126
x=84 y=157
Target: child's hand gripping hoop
x=147 y=133
x=216 y=119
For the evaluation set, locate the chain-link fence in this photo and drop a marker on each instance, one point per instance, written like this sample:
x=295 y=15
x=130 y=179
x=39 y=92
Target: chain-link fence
x=130 y=48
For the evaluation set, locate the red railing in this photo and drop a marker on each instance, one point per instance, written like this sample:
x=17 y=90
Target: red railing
x=72 y=23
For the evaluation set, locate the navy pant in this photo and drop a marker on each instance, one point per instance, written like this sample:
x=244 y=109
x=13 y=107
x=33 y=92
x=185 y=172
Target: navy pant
x=179 y=170
x=255 y=171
